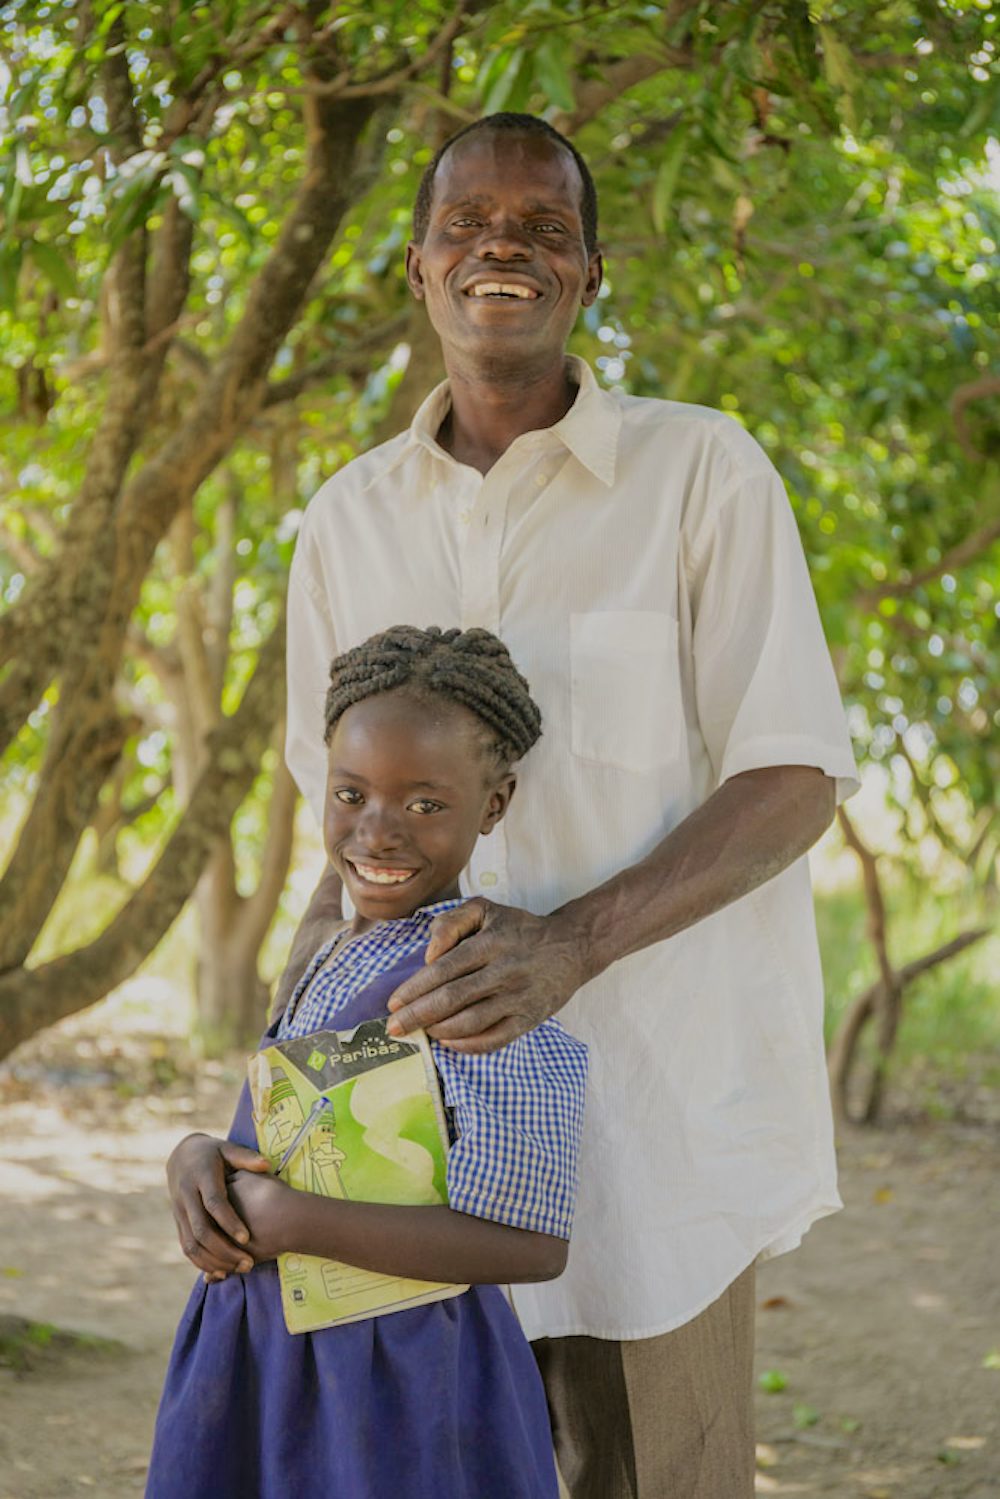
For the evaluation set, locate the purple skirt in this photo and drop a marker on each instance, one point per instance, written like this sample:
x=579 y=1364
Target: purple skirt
x=436 y=1402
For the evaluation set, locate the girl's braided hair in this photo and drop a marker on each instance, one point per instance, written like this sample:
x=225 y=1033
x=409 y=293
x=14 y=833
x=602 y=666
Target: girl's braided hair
x=469 y=667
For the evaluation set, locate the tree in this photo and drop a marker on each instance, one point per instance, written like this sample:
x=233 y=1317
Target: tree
x=205 y=213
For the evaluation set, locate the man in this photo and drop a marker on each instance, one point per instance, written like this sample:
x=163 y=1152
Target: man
x=640 y=560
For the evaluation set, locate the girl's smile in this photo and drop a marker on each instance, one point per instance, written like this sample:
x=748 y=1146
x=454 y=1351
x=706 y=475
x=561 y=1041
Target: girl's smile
x=412 y=782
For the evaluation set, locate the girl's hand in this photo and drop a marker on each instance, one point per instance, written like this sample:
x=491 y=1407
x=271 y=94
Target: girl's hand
x=263 y=1202
x=209 y=1228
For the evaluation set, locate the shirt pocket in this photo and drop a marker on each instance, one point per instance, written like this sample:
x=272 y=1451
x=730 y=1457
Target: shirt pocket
x=625 y=688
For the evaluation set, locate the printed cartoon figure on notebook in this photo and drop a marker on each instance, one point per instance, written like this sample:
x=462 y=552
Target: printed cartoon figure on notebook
x=300 y=1146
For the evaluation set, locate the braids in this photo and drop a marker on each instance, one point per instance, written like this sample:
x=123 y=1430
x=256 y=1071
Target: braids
x=469 y=667
x=517 y=124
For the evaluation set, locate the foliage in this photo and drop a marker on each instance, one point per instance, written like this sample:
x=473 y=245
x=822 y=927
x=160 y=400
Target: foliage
x=800 y=218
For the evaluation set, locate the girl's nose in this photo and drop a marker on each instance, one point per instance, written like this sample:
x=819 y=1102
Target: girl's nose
x=379 y=831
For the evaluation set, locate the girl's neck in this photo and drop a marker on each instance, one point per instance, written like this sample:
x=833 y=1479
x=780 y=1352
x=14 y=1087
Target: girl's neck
x=360 y=924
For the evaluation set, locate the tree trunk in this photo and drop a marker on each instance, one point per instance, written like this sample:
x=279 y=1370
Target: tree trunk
x=33 y=998
x=148 y=506
x=233 y=999
x=842 y=1060
x=232 y=996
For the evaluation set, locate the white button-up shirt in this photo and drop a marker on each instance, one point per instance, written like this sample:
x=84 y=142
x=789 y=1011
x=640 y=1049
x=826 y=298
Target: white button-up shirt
x=641 y=562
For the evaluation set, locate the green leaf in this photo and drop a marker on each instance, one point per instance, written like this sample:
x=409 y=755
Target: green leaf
x=186 y=186
x=803 y=39
x=552 y=75
x=54 y=266
x=838 y=64
x=667 y=175
x=503 y=85
x=804 y=1416
x=10 y=270
x=773 y=1381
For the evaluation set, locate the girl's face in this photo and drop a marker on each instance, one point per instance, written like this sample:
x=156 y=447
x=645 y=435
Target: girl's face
x=410 y=787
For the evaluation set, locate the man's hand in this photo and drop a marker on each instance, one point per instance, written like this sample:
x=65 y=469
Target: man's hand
x=262 y=1202
x=209 y=1228
x=493 y=973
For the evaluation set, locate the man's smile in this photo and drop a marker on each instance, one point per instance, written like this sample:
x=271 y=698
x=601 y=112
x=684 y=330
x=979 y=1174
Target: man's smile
x=502 y=289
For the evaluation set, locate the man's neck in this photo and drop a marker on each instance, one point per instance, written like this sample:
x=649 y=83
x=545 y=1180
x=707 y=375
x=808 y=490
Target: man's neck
x=488 y=414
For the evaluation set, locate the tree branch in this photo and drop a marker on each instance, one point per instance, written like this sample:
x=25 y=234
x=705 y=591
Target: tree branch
x=354 y=361
x=32 y=998
x=964 y=396
x=958 y=556
x=391 y=82
x=258 y=909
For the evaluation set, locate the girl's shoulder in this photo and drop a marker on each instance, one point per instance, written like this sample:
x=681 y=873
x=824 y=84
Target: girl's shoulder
x=545 y=1058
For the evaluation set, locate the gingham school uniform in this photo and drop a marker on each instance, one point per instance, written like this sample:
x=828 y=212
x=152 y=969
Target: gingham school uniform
x=444 y=1399
x=517 y=1113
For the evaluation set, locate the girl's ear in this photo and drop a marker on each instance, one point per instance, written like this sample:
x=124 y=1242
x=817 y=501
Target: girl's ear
x=499 y=801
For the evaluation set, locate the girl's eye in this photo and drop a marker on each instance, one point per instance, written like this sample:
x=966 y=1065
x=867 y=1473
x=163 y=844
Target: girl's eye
x=425 y=806
x=349 y=795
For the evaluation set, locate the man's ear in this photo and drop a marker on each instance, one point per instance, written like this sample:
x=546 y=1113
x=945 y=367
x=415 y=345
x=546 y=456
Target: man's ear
x=595 y=275
x=414 y=274
x=499 y=802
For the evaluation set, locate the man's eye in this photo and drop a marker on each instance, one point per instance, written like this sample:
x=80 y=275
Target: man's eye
x=547 y=228
x=464 y=223
x=348 y=794
x=425 y=806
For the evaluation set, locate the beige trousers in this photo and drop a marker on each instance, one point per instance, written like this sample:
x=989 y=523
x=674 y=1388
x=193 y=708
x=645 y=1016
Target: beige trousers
x=658 y=1418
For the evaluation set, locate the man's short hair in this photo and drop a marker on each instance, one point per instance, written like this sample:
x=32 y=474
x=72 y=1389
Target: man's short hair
x=516 y=124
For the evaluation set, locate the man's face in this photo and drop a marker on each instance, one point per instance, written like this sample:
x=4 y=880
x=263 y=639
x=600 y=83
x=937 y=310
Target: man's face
x=503 y=267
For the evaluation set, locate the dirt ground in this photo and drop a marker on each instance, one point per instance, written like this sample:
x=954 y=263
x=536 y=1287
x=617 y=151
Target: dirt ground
x=878 y=1341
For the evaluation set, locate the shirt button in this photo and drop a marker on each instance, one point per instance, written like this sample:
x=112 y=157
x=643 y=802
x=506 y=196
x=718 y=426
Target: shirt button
x=541 y=480
x=464 y=517
x=487 y=878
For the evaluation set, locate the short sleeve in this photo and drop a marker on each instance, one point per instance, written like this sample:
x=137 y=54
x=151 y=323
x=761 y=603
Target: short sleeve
x=311 y=648
x=765 y=687
x=518 y=1115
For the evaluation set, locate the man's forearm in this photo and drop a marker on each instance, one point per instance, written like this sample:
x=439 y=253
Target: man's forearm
x=322 y=914
x=752 y=828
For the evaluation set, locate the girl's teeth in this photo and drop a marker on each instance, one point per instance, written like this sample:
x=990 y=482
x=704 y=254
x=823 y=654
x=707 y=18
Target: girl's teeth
x=383 y=876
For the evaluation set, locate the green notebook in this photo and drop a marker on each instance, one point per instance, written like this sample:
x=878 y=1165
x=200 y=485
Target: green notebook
x=354 y=1114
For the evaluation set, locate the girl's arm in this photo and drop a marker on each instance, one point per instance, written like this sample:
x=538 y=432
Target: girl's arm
x=417 y=1243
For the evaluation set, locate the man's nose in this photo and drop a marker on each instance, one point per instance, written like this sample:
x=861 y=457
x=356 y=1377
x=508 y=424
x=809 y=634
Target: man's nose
x=505 y=239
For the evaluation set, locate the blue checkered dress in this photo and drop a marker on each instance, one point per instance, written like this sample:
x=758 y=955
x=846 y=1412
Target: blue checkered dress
x=518 y=1112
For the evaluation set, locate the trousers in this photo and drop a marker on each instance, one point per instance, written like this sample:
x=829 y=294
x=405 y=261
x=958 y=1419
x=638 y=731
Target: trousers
x=669 y=1417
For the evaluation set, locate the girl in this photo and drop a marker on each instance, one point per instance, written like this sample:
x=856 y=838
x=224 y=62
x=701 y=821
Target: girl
x=441 y=1400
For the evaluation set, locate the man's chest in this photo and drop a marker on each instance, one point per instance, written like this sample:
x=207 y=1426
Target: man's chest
x=513 y=553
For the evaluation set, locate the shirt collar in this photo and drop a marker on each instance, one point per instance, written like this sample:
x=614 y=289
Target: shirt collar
x=589 y=429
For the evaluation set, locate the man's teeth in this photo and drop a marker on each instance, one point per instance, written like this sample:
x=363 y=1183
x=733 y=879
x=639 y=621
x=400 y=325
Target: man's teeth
x=384 y=876
x=504 y=289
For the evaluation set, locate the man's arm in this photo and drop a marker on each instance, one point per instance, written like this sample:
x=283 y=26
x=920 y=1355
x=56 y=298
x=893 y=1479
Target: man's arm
x=494 y=972
x=323 y=914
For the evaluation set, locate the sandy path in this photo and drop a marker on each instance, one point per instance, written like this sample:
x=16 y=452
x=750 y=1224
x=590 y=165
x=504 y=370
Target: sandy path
x=880 y=1324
